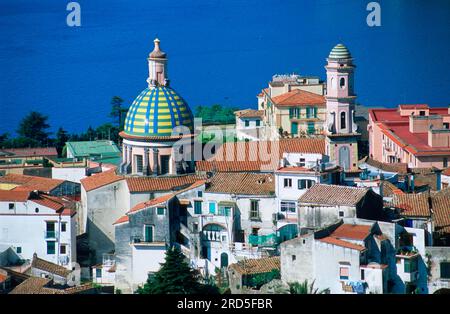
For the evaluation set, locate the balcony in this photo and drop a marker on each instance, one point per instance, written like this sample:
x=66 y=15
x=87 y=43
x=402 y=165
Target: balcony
x=50 y=234
x=217 y=219
x=269 y=240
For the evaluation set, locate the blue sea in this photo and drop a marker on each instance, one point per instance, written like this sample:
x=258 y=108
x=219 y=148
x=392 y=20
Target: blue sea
x=221 y=51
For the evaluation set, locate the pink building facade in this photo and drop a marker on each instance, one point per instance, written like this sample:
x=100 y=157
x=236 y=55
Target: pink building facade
x=414 y=134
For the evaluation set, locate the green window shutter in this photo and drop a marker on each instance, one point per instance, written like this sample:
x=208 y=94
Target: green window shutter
x=50 y=247
x=148 y=236
x=160 y=210
x=197 y=207
x=291 y=113
x=315 y=112
x=212 y=208
x=407 y=266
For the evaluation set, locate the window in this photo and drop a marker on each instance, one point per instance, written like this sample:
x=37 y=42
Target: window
x=63 y=249
x=341 y=213
x=258 y=122
x=197 y=207
x=50 y=247
x=12 y=205
x=148 y=233
x=344 y=273
x=410 y=265
x=36 y=210
x=305 y=184
x=160 y=211
x=247 y=123
x=98 y=273
x=139 y=163
x=63 y=226
x=294 y=257
x=224 y=211
x=50 y=229
x=421 y=113
x=212 y=208
x=362 y=274
x=445 y=270
x=288 y=207
x=287 y=183
x=19 y=250
x=343 y=122
x=302 y=162
x=294 y=113
x=195 y=227
x=254 y=209
x=199 y=193
x=445 y=162
x=342 y=82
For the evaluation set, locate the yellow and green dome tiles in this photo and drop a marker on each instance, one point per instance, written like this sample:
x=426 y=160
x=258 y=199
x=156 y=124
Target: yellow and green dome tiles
x=340 y=52
x=156 y=111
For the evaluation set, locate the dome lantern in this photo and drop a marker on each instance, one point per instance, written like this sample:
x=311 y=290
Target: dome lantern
x=340 y=52
x=157 y=67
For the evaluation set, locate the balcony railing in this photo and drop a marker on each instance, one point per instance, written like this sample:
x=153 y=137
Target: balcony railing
x=50 y=234
x=264 y=240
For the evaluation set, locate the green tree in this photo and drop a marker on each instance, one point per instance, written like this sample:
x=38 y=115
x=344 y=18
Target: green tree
x=4 y=140
x=175 y=277
x=117 y=111
x=33 y=130
x=304 y=288
x=61 y=138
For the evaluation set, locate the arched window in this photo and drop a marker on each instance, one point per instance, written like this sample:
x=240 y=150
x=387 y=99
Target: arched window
x=342 y=82
x=343 y=126
x=332 y=82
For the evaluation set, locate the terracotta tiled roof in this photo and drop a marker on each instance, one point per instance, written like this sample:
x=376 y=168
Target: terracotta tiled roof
x=145 y=184
x=401 y=168
x=249 y=113
x=49 y=267
x=446 y=172
x=31 y=152
x=390 y=189
x=342 y=243
x=412 y=205
x=257 y=266
x=258 y=155
x=37 y=285
x=152 y=202
x=298 y=97
x=3 y=278
x=50 y=202
x=333 y=195
x=14 y=196
x=157 y=201
x=355 y=232
x=246 y=183
x=30 y=183
x=414 y=106
x=121 y=220
x=441 y=211
x=98 y=180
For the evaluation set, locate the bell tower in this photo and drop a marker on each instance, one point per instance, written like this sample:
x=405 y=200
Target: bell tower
x=341 y=130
